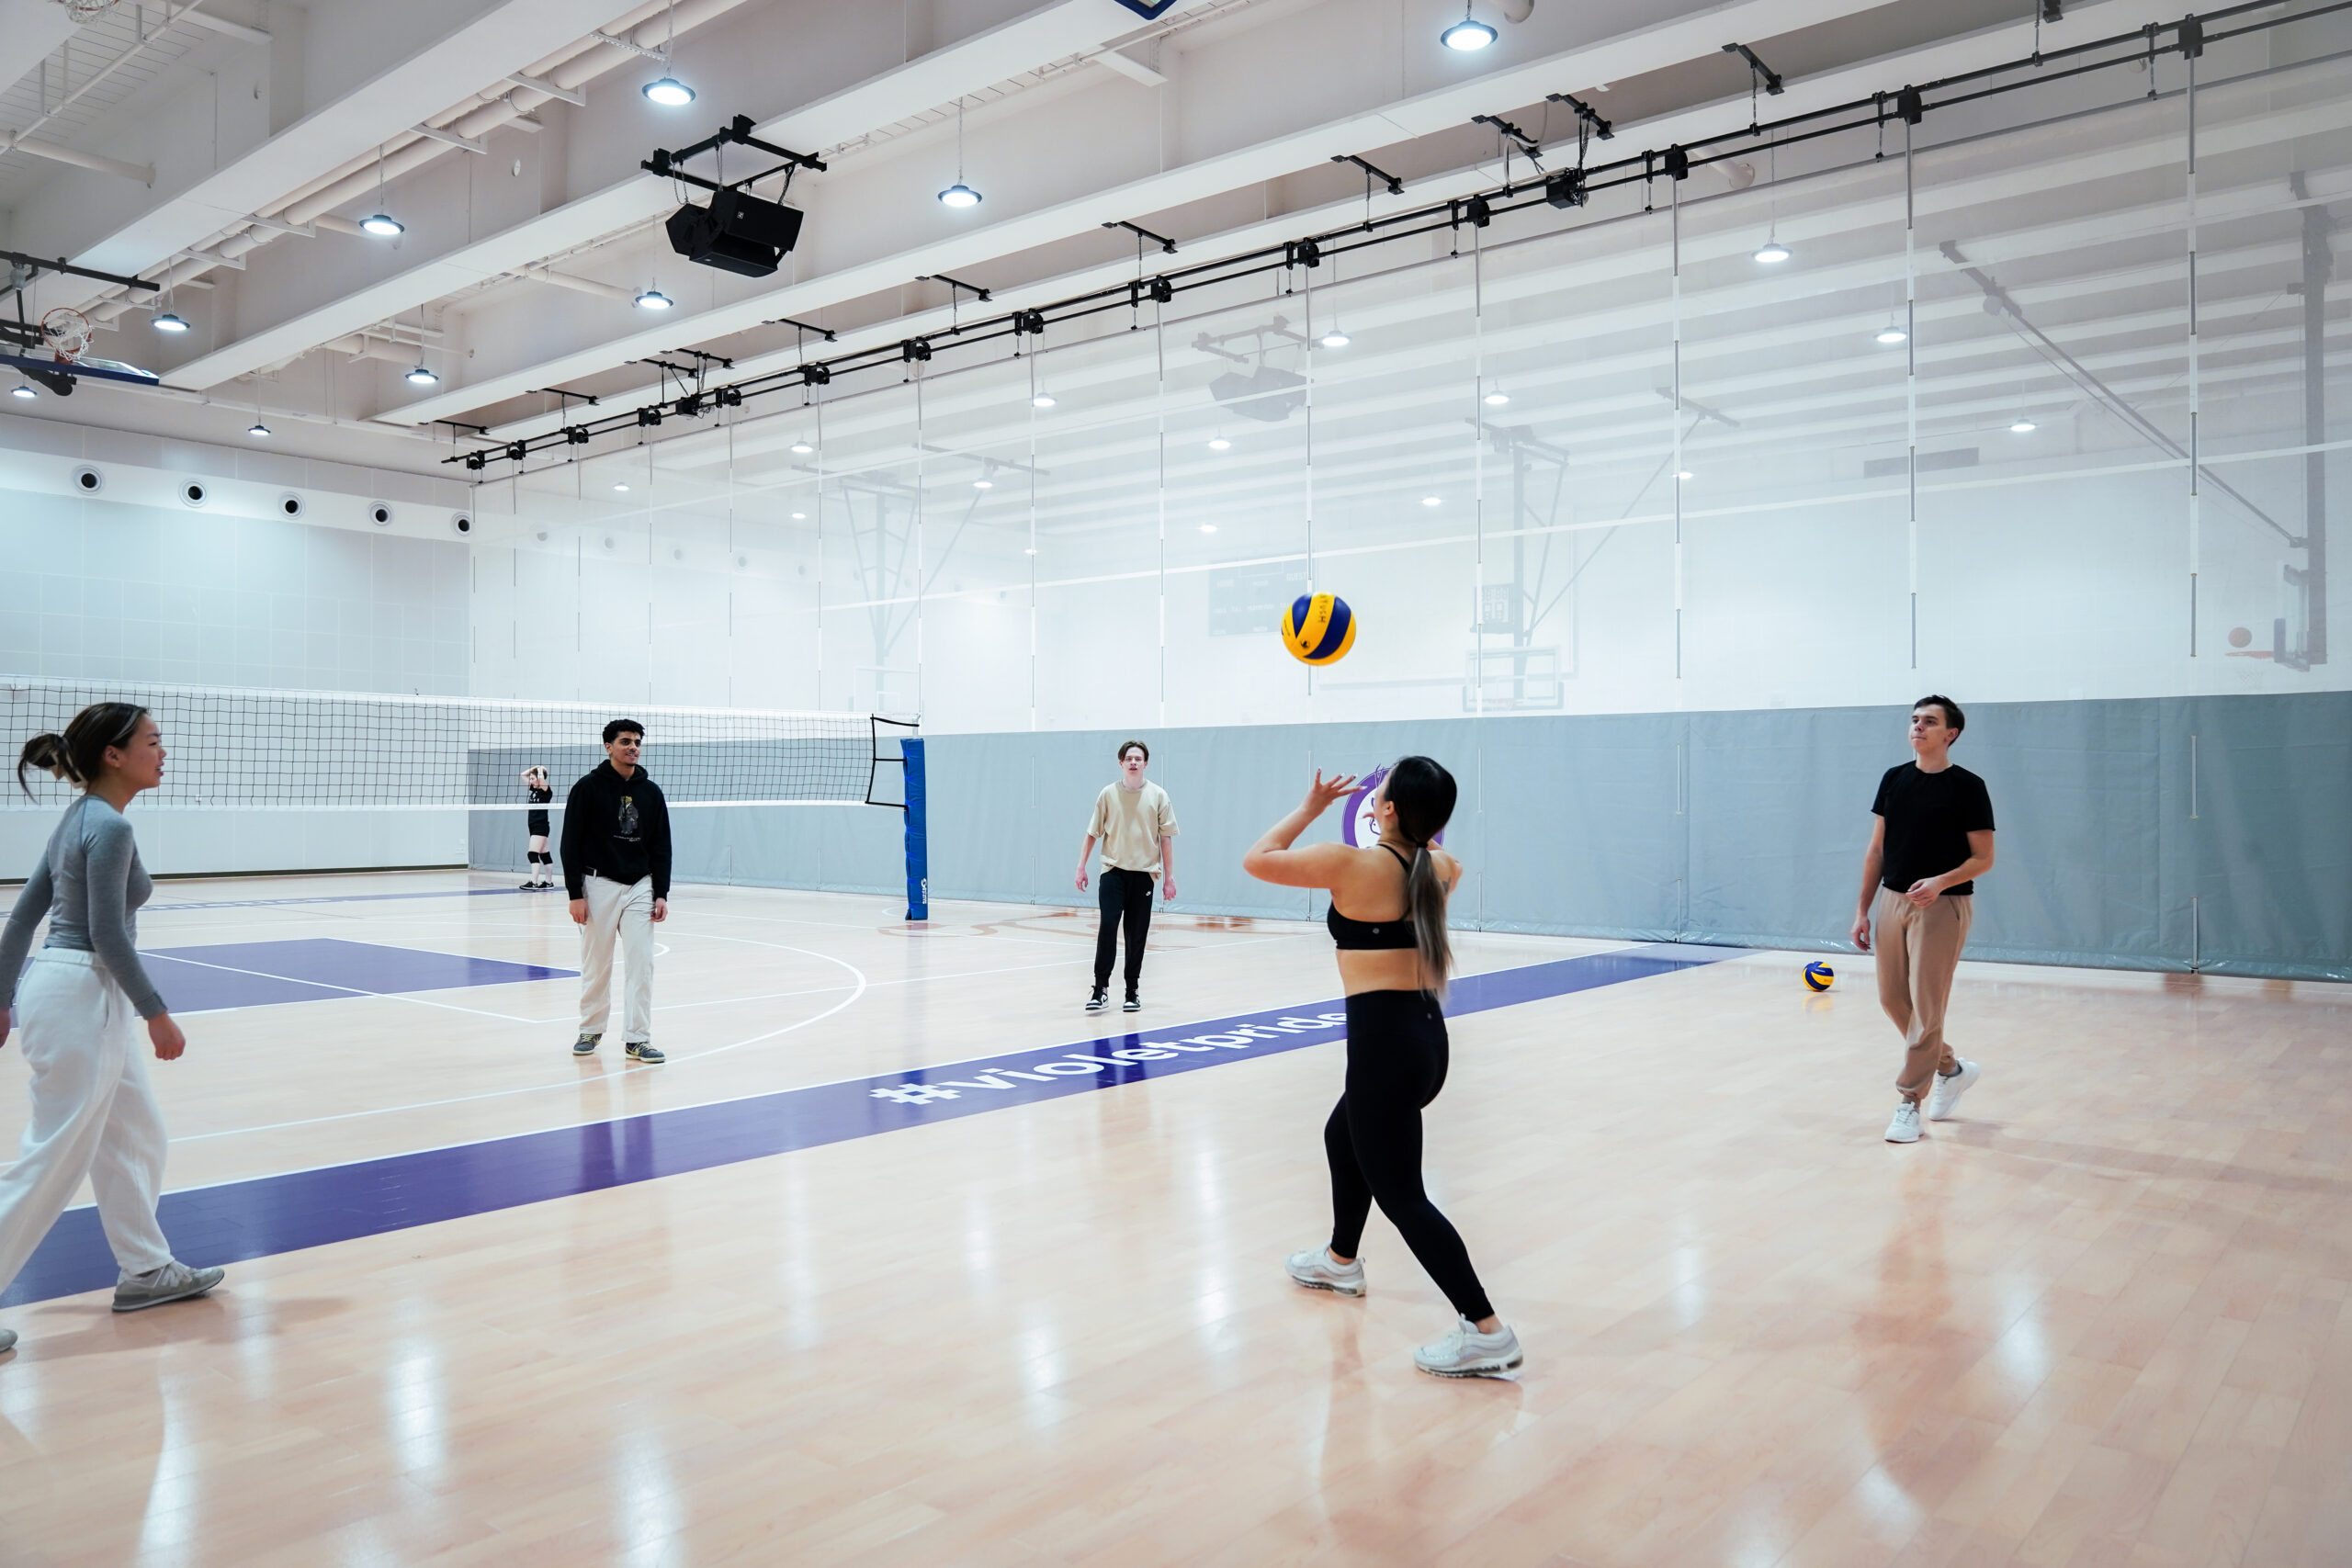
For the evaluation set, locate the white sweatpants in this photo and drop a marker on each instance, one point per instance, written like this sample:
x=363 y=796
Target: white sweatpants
x=626 y=911
x=94 y=1116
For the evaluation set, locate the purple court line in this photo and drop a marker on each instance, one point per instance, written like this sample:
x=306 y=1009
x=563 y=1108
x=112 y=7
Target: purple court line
x=336 y=898
x=238 y=1221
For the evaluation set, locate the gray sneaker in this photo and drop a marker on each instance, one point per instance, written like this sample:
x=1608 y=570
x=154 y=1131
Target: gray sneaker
x=172 y=1282
x=585 y=1045
x=7 y=1340
x=1466 y=1353
x=1314 y=1269
x=645 y=1051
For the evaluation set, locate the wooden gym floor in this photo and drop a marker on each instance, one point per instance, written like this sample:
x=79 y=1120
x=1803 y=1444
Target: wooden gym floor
x=2099 y=1319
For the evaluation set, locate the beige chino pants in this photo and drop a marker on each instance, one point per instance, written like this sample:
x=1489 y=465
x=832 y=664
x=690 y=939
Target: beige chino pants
x=1919 y=949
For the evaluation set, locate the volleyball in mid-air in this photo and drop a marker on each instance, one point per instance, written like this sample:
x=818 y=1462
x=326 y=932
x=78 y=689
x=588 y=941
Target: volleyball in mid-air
x=1318 y=628
x=1820 y=976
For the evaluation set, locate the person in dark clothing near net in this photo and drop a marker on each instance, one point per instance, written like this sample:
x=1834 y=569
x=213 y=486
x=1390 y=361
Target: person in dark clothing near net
x=617 y=868
x=1932 y=837
x=538 y=792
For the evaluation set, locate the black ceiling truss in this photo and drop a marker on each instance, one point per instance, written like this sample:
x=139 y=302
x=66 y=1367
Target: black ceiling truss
x=1909 y=104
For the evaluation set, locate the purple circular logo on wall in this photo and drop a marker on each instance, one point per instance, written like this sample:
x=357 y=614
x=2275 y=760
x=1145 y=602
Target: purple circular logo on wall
x=1359 y=828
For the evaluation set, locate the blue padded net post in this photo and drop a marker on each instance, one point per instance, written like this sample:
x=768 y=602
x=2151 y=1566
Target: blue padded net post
x=918 y=834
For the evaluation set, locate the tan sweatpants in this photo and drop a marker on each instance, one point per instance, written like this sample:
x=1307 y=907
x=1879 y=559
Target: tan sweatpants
x=1918 y=951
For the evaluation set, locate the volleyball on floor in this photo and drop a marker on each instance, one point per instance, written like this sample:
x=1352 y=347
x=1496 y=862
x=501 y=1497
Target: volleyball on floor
x=1820 y=976
x=1319 y=629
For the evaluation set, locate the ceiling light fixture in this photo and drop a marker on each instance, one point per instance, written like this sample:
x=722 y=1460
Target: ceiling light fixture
x=1208 y=527
x=984 y=484
x=1431 y=500
x=1335 y=338
x=1684 y=474
x=1220 y=445
x=2023 y=427
x=170 y=321
x=1042 y=401
x=258 y=431
x=654 y=299
x=23 y=390
x=621 y=488
x=1891 y=334
x=801 y=448
x=667 y=90
x=380 y=222
x=1496 y=398
x=1773 y=253
x=1468 y=35
x=800 y=517
x=959 y=195
x=422 y=376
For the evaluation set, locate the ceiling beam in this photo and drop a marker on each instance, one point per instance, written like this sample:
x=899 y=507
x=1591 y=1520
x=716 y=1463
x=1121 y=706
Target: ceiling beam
x=1635 y=53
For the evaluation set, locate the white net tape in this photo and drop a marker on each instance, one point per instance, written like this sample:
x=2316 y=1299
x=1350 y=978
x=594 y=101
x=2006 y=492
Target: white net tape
x=235 y=749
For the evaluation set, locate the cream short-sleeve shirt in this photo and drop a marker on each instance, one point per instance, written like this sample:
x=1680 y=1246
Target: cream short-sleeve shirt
x=1131 y=822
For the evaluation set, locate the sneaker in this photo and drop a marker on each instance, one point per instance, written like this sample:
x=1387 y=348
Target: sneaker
x=1133 y=1004
x=1314 y=1269
x=643 y=1051
x=1944 y=1097
x=1098 y=999
x=1904 y=1128
x=172 y=1282
x=1466 y=1353
x=585 y=1045
x=525 y=886
x=7 y=1340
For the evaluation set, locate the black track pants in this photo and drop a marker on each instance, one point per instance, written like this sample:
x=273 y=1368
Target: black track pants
x=1397 y=1059
x=1127 y=900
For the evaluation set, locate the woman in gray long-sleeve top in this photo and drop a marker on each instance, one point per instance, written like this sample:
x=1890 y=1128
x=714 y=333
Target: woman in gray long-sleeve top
x=93 y=1111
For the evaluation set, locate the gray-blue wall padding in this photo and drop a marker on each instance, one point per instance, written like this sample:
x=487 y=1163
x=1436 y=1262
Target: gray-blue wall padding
x=2158 y=834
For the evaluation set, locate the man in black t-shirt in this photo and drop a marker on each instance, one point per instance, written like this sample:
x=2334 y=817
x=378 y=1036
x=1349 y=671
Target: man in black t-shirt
x=1931 y=838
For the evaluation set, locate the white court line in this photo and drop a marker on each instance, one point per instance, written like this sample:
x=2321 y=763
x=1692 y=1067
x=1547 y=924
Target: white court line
x=573 y=1084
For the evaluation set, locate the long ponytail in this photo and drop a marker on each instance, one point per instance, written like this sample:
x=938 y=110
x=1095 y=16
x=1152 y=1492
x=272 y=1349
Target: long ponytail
x=1423 y=793
x=80 y=754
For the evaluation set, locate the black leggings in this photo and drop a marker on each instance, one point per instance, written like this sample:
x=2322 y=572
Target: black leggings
x=1125 y=897
x=1396 y=1058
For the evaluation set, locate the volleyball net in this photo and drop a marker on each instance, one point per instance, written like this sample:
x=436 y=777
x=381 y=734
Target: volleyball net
x=249 y=748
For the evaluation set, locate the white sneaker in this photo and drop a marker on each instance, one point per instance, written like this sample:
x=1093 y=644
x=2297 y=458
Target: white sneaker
x=1466 y=1353
x=1904 y=1128
x=7 y=1340
x=1316 y=1270
x=1944 y=1097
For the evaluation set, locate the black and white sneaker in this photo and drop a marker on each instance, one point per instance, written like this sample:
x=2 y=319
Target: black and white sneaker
x=1133 y=1004
x=585 y=1045
x=1098 y=999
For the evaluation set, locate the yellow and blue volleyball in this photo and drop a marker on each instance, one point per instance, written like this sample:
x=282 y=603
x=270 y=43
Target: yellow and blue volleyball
x=1319 y=629
x=1820 y=976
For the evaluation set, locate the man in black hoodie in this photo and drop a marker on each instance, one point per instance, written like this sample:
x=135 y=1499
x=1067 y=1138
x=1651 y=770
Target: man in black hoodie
x=616 y=867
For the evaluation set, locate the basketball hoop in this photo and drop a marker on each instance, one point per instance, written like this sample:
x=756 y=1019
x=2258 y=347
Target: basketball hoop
x=67 y=332
x=84 y=10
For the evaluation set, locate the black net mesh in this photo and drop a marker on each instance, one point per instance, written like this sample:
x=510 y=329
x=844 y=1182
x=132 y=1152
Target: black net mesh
x=242 y=749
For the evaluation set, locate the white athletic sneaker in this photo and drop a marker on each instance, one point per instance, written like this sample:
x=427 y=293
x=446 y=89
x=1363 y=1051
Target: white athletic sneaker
x=1944 y=1098
x=7 y=1340
x=172 y=1282
x=1314 y=1269
x=1466 y=1353
x=1904 y=1128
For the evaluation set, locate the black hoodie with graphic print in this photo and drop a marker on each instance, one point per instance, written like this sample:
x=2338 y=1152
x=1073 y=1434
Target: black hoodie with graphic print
x=618 y=828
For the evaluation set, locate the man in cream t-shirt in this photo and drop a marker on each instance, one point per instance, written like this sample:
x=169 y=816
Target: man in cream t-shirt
x=1137 y=828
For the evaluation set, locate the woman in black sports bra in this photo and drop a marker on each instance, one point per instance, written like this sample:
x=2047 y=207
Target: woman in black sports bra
x=1393 y=968
x=539 y=792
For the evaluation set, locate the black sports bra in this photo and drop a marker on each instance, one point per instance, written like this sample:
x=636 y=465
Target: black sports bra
x=1370 y=936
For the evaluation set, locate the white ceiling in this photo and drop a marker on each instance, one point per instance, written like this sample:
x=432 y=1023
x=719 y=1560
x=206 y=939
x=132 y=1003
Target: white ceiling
x=1216 y=122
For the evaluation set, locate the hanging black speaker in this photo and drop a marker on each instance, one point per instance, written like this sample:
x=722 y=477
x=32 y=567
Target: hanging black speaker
x=737 y=232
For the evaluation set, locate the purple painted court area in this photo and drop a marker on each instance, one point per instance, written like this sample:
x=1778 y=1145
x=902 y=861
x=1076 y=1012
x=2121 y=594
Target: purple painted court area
x=258 y=974
x=270 y=1214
